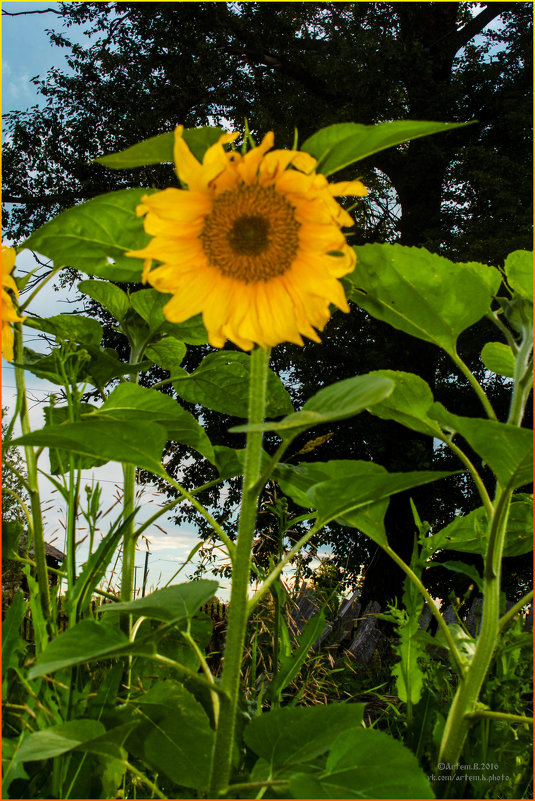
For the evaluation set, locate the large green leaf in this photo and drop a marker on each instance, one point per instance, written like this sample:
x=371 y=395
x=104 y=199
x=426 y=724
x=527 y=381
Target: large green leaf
x=421 y=293
x=149 y=304
x=87 y=236
x=339 y=498
x=335 y=402
x=178 y=739
x=519 y=271
x=221 y=383
x=339 y=145
x=294 y=735
x=59 y=739
x=140 y=405
x=72 y=327
x=59 y=459
x=470 y=533
x=139 y=443
x=408 y=404
x=167 y=353
x=507 y=449
x=499 y=358
x=365 y=763
x=297 y=482
x=159 y=149
x=84 y=642
x=177 y=602
x=108 y=295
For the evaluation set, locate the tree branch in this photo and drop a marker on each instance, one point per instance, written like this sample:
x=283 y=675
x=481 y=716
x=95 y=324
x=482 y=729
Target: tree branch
x=37 y=11
x=477 y=24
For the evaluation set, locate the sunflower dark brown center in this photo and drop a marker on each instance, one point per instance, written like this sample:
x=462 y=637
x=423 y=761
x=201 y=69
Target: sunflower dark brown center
x=251 y=233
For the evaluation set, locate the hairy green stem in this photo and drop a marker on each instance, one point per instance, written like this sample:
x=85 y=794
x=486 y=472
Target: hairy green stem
x=33 y=486
x=478 y=481
x=172 y=504
x=510 y=718
x=476 y=386
x=223 y=536
x=523 y=379
x=458 y=721
x=207 y=672
x=514 y=610
x=241 y=568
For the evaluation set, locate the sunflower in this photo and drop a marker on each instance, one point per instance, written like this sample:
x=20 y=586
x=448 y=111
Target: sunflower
x=9 y=313
x=254 y=243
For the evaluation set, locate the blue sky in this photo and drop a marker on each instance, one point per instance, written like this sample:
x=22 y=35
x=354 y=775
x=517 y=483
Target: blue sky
x=26 y=51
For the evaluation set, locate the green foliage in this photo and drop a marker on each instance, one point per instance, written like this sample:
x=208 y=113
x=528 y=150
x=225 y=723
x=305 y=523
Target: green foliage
x=338 y=146
x=336 y=402
x=355 y=768
x=133 y=693
x=159 y=149
x=221 y=383
x=108 y=440
x=423 y=294
x=94 y=236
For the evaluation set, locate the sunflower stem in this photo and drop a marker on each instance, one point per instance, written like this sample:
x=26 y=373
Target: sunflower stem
x=238 y=609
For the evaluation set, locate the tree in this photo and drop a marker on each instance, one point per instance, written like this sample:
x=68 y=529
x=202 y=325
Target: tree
x=310 y=64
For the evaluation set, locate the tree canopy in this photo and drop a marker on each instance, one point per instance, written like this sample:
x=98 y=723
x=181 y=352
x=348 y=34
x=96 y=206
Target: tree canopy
x=465 y=194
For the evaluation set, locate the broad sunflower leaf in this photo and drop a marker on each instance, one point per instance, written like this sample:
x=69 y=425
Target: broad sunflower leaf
x=499 y=358
x=72 y=327
x=140 y=444
x=339 y=145
x=335 y=402
x=167 y=353
x=425 y=295
x=297 y=482
x=340 y=498
x=519 y=271
x=130 y=402
x=470 y=533
x=108 y=295
x=86 y=641
x=294 y=735
x=176 y=738
x=59 y=459
x=59 y=739
x=159 y=149
x=149 y=304
x=408 y=404
x=177 y=602
x=230 y=462
x=221 y=383
x=506 y=449
x=91 y=234
x=365 y=763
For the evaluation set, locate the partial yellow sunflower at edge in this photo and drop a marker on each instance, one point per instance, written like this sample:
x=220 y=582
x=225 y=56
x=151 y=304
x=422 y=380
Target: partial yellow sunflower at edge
x=9 y=313
x=254 y=243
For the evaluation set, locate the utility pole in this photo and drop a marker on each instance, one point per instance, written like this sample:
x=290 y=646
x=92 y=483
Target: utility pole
x=145 y=573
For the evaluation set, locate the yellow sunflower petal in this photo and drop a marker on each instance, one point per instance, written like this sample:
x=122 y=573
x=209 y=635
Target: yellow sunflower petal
x=7 y=341
x=248 y=166
x=348 y=188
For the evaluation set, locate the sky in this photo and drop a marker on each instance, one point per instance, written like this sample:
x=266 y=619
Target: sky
x=26 y=52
